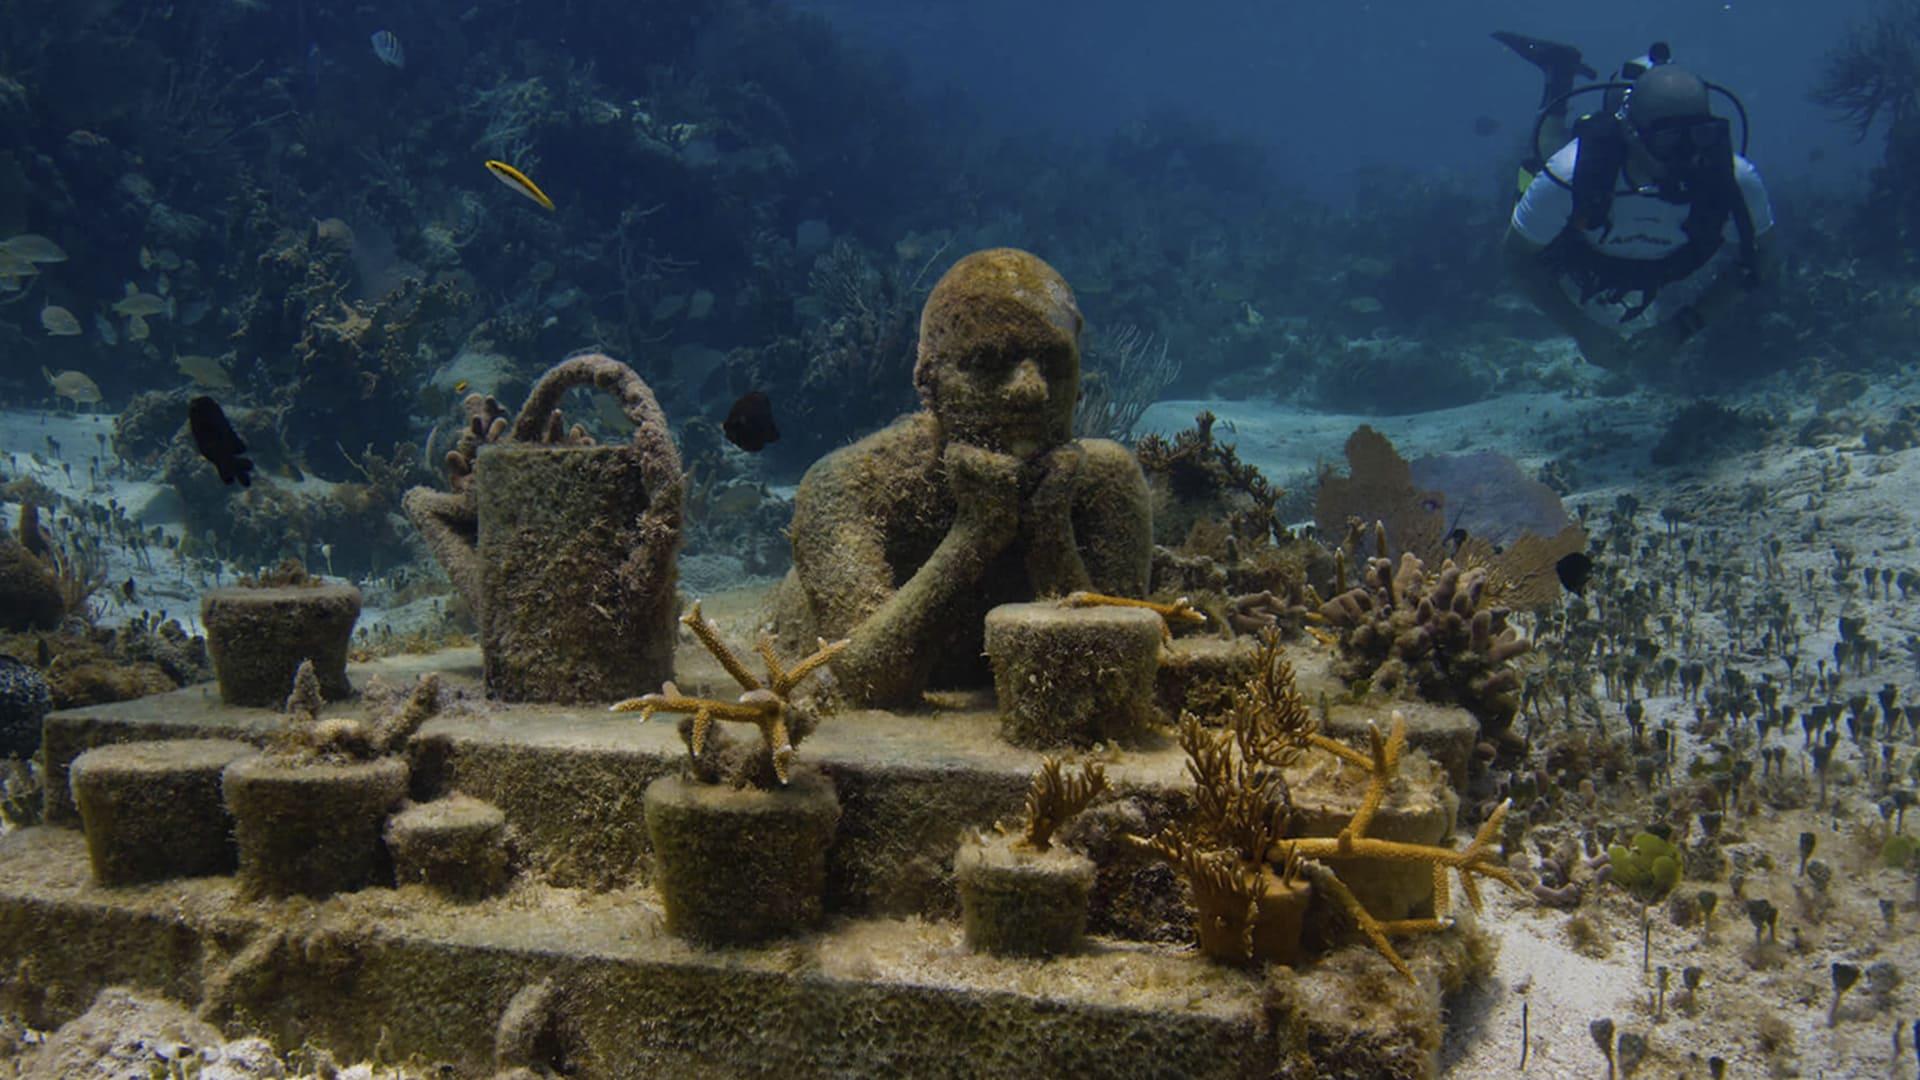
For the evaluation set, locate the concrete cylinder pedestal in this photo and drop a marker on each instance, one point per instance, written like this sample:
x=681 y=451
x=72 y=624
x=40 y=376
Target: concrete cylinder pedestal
x=1073 y=676
x=312 y=828
x=152 y=810
x=257 y=638
x=456 y=846
x=1018 y=902
x=738 y=867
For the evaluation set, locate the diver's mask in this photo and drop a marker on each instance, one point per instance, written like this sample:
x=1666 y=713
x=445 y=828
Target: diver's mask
x=1681 y=140
x=1684 y=147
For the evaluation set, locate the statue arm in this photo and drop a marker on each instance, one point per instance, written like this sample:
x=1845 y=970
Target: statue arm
x=849 y=574
x=1114 y=516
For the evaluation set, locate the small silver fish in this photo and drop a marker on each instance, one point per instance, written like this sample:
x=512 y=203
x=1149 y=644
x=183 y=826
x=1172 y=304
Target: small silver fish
x=58 y=321
x=388 y=49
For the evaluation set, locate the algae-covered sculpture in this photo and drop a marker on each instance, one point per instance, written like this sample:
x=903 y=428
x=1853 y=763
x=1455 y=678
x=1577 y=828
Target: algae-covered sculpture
x=1019 y=894
x=742 y=861
x=308 y=813
x=564 y=548
x=903 y=541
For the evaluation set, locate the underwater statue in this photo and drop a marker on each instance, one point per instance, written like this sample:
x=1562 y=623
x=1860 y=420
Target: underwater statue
x=904 y=540
x=564 y=549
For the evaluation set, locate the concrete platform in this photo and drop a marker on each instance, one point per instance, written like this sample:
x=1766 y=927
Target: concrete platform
x=402 y=974
x=887 y=988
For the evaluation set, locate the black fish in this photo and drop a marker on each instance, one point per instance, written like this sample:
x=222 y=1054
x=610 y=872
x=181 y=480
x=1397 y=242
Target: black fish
x=749 y=423
x=1484 y=126
x=1573 y=570
x=218 y=442
x=127 y=589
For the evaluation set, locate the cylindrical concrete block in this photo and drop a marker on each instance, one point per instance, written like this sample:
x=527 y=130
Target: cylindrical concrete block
x=257 y=638
x=456 y=846
x=1019 y=902
x=152 y=810
x=737 y=867
x=1073 y=675
x=312 y=829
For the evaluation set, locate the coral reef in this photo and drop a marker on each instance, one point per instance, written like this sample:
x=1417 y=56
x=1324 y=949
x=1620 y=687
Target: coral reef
x=1379 y=490
x=1405 y=629
x=25 y=700
x=1874 y=74
x=1705 y=430
x=1195 y=479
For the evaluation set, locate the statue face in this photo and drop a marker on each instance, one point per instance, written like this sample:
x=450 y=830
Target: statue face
x=1015 y=401
x=999 y=357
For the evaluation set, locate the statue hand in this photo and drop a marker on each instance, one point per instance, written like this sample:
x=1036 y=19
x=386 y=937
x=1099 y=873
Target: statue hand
x=1054 y=564
x=986 y=493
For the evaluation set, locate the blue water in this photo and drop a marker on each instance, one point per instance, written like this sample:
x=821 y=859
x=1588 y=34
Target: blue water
x=1332 y=87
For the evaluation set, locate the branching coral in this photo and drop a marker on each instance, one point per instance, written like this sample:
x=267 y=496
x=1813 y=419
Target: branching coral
x=1121 y=374
x=1241 y=803
x=1178 y=612
x=1242 y=809
x=768 y=706
x=393 y=718
x=1480 y=858
x=1875 y=69
x=1438 y=635
x=1196 y=472
x=1055 y=797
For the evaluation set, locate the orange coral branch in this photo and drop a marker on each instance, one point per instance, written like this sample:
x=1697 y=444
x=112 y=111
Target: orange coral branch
x=764 y=708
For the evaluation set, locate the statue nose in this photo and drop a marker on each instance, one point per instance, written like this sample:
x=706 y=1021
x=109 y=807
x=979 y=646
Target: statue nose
x=1026 y=382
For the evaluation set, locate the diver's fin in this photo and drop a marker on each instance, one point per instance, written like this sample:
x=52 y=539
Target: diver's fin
x=1559 y=63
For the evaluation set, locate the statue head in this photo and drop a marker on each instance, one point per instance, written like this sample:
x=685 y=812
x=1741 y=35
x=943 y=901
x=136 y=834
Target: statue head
x=999 y=362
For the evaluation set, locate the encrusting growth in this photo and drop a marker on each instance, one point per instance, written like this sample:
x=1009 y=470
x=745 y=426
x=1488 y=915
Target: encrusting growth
x=1055 y=797
x=766 y=705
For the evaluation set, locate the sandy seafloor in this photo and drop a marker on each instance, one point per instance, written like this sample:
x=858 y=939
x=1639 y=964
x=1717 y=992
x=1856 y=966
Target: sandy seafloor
x=1874 y=509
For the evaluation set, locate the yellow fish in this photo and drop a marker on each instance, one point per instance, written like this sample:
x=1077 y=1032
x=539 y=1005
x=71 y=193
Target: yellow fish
x=460 y=387
x=519 y=182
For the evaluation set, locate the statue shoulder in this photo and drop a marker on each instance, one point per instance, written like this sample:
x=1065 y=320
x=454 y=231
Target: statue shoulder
x=907 y=445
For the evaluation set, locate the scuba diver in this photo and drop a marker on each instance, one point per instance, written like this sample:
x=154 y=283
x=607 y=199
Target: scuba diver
x=1642 y=221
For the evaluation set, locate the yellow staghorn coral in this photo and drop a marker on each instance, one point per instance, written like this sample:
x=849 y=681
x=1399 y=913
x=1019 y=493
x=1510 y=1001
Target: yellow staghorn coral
x=766 y=705
x=1180 y=611
x=1055 y=797
x=1478 y=859
x=1242 y=810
